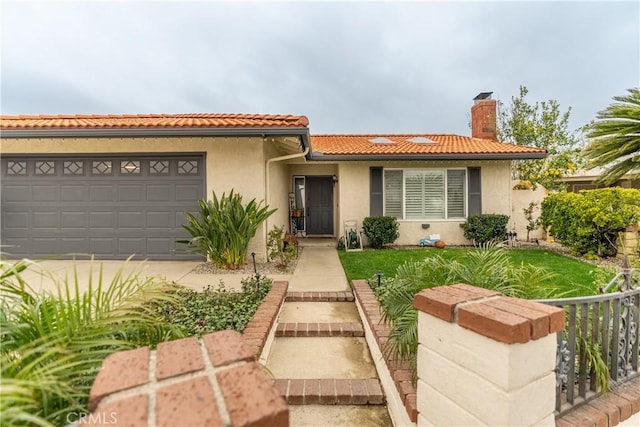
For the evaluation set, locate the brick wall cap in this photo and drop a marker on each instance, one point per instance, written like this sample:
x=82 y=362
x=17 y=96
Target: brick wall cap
x=493 y=323
x=442 y=301
x=110 y=378
x=226 y=347
x=488 y=313
x=178 y=357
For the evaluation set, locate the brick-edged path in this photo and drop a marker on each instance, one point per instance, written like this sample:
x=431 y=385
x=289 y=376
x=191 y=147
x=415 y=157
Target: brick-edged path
x=316 y=329
x=322 y=391
x=330 y=391
x=311 y=296
x=400 y=373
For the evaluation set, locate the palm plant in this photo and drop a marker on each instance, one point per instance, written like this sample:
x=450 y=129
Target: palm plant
x=487 y=267
x=615 y=138
x=54 y=342
x=224 y=228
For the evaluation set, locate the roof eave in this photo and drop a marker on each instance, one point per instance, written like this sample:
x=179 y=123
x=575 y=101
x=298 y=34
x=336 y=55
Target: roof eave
x=403 y=157
x=300 y=131
x=145 y=132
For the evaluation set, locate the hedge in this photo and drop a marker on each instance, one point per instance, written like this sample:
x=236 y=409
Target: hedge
x=588 y=222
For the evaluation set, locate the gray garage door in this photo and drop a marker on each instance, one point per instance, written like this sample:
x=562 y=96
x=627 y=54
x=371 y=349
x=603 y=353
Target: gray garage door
x=111 y=207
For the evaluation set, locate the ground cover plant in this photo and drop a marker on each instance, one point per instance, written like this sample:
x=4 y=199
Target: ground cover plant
x=54 y=342
x=214 y=309
x=573 y=277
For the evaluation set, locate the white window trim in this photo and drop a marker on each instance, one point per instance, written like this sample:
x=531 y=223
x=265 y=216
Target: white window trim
x=446 y=204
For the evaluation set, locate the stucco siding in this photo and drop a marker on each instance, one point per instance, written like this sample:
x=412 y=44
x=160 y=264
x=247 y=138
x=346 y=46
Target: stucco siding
x=354 y=200
x=278 y=191
x=231 y=163
x=353 y=180
x=496 y=187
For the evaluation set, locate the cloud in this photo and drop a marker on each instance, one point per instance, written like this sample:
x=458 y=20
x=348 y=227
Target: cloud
x=351 y=67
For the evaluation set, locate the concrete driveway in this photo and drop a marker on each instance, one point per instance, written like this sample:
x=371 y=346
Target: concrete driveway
x=44 y=274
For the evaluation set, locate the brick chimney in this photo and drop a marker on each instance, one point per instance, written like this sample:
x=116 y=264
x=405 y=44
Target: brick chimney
x=483 y=116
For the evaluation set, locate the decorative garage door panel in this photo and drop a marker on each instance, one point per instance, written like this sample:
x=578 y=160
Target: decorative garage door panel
x=111 y=207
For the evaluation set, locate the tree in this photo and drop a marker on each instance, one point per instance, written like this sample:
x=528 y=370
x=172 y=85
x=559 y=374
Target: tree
x=615 y=138
x=540 y=125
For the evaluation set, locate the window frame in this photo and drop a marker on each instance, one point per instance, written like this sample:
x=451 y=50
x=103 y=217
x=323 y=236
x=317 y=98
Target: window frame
x=444 y=171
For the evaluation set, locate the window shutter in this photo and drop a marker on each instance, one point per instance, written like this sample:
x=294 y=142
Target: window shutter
x=434 y=194
x=475 y=191
x=393 y=193
x=455 y=193
x=413 y=186
x=375 y=191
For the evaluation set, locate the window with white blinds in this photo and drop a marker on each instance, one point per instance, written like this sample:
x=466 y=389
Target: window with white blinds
x=393 y=205
x=425 y=193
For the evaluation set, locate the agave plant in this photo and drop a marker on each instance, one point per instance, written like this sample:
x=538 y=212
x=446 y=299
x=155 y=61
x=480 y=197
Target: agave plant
x=224 y=228
x=487 y=267
x=54 y=342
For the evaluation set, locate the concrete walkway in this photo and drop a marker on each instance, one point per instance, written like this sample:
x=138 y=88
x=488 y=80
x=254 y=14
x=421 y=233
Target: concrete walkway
x=319 y=357
x=46 y=274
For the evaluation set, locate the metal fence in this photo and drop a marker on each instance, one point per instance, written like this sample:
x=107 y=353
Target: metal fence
x=599 y=344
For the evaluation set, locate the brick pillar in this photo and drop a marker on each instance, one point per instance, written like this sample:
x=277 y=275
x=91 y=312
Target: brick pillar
x=215 y=381
x=485 y=359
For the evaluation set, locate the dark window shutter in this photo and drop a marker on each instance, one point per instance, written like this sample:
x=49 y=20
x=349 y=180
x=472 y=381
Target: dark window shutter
x=375 y=191
x=475 y=191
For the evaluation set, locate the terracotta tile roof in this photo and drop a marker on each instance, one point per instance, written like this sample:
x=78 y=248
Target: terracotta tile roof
x=441 y=144
x=146 y=121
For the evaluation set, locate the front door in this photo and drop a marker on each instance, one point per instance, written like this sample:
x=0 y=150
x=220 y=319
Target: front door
x=319 y=204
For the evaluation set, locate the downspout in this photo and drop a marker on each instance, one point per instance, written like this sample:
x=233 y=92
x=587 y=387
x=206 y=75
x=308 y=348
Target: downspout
x=267 y=181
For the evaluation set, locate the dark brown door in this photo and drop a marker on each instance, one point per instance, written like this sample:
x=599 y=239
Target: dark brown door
x=319 y=204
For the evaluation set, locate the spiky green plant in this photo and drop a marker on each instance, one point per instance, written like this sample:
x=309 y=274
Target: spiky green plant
x=487 y=267
x=54 y=342
x=224 y=228
x=615 y=138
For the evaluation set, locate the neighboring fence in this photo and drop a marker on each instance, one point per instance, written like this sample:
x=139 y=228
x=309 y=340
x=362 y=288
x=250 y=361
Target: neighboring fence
x=600 y=337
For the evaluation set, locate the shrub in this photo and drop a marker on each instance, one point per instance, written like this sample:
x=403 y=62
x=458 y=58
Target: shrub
x=486 y=267
x=214 y=309
x=282 y=246
x=380 y=230
x=53 y=343
x=483 y=228
x=589 y=221
x=224 y=228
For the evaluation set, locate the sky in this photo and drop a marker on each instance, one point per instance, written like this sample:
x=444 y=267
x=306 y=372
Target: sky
x=350 y=67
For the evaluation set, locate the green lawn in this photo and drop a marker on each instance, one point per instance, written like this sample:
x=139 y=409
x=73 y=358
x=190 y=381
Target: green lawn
x=570 y=273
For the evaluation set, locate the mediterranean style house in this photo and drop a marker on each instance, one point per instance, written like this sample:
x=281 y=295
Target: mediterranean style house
x=116 y=185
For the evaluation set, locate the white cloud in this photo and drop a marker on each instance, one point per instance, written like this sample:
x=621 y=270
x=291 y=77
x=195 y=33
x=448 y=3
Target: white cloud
x=350 y=67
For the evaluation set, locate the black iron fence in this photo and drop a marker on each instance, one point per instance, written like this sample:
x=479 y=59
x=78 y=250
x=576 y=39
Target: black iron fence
x=599 y=345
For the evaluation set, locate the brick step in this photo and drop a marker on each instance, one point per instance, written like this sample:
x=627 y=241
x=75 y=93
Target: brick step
x=315 y=329
x=330 y=391
x=345 y=296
